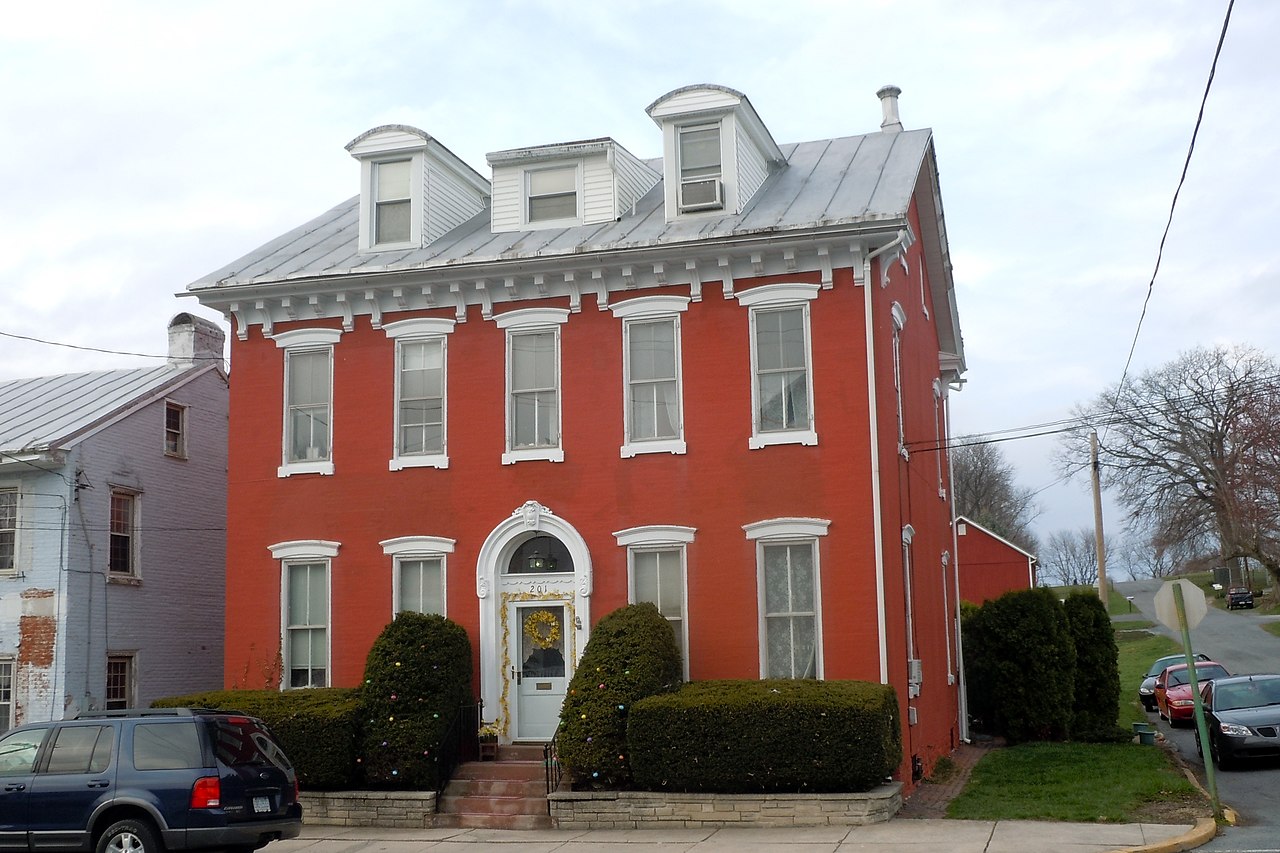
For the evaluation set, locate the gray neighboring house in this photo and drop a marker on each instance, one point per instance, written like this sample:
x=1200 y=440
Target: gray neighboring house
x=113 y=532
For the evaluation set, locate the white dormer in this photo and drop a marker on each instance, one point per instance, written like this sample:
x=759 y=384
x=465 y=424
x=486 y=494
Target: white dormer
x=572 y=183
x=716 y=152
x=412 y=188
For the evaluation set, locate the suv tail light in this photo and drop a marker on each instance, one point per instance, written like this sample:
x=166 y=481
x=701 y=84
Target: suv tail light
x=206 y=793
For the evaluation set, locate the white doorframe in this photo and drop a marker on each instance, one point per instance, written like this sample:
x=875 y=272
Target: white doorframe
x=497 y=591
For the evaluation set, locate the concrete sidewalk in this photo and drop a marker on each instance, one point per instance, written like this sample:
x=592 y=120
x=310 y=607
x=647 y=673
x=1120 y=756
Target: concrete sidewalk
x=911 y=836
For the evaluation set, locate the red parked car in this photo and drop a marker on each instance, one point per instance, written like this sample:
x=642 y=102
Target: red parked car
x=1173 y=690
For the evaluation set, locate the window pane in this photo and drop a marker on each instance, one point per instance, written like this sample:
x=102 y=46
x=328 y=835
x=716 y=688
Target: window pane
x=778 y=647
x=533 y=364
x=671 y=590
x=309 y=378
x=777 y=592
x=411 y=585
x=548 y=181
x=768 y=340
x=8 y=531
x=393 y=180
x=646 y=576
x=700 y=152
x=393 y=222
x=791 y=337
x=802 y=577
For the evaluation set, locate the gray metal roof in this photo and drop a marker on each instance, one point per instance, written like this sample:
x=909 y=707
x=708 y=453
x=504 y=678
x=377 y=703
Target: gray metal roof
x=833 y=182
x=47 y=412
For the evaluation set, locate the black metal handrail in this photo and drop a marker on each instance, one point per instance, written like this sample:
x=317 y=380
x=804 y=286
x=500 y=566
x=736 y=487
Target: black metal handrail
x=460 y=742
x=551 y=763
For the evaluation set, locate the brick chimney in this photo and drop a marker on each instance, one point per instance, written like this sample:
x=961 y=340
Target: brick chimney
x=194 y=340
x=888 y=96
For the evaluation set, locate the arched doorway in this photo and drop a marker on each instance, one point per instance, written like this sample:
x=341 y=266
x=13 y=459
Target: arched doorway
x=533 y=582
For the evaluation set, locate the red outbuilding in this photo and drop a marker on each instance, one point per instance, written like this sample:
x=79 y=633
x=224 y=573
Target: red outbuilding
x=716 y=380
x=990 y=565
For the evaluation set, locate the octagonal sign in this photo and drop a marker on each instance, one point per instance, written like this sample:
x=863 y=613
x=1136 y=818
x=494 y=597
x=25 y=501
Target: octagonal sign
x=1193 y=602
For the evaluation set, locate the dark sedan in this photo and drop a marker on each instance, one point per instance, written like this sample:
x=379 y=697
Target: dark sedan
x=1242 y=714
x=1147 y=690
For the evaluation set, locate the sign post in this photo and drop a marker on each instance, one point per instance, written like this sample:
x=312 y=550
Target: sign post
x=1180 y=605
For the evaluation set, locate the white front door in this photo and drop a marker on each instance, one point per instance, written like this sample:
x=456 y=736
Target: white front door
x=539 y=673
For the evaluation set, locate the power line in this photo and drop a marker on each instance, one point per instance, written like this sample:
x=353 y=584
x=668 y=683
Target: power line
x=1186 y=165
x=100 y=349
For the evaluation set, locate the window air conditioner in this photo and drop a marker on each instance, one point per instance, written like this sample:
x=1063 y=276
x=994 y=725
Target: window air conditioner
x=705 y=194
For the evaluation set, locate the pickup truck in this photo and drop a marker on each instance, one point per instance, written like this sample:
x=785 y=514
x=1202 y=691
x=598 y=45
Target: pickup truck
x=1238 y=596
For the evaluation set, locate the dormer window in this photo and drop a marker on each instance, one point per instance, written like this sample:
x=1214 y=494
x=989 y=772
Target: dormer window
x=393 y=206
x=553 y=194
x=700 y=167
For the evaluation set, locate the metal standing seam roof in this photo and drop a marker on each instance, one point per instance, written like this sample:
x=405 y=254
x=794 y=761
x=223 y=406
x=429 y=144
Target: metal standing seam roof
x=832 y=182
x=48 y=412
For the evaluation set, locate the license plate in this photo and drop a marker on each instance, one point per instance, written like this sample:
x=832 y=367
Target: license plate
x=261 y=805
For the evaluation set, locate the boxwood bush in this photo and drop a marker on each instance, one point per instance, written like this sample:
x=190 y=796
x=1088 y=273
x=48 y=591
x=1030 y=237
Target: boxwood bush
x=317 y=728
x=772 y=736
x=632 y=653
x=416 y=677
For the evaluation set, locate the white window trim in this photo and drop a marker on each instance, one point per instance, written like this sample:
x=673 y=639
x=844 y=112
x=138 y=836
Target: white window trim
x=12 y=663
x=302 y=340
x=728 y=161
x=368 y=201
x=771 y=296
x=525 y=196
x=646 y=309
x=899 y=317
x=131 y=677
x=15 y=570
x=789 y=531
x=305 y=551
x=421 y=329
x=533 y=320
x=661 y=537
x=418 y=548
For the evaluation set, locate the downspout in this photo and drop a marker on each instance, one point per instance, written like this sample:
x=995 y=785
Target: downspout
x=962 y=692
x=876 y=512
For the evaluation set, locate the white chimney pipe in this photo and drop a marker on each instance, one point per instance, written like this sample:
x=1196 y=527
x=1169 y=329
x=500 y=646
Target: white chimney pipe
x=888 y=96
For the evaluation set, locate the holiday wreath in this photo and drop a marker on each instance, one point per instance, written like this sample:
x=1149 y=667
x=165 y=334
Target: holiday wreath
x=543 y=628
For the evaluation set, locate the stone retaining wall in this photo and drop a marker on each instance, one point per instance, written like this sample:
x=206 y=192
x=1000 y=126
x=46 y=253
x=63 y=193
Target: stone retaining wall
x=650 y=810
x=402 y=809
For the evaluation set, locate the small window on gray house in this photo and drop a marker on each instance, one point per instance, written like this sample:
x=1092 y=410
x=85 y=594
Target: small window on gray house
x=175 y=430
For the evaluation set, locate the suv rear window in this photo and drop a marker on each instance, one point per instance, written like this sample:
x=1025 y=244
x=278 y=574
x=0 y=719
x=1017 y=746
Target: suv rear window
x=166 y=746
x=243 y=742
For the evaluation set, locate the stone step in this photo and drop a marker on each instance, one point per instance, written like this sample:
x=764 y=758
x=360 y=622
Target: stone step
x=492 y=805
x=495 y=821
x=496 y=788
x=509 y=770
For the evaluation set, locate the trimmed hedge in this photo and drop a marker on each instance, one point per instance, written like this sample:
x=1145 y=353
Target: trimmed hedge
x=632 y=654
x=1097 y=682
x=416 y=677
x=1020 y=663
x=772 y=736
x=317 y=728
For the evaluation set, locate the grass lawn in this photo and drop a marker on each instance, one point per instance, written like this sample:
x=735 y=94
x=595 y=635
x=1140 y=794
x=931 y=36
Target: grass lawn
x=1089 y=782
x=1272 y=628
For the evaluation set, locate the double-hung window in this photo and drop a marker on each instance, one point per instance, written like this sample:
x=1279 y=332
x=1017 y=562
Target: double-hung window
x=119 y=692
x=419 y=576
x=175 y=429
x=392 y=202
x=122 y=551
x=533 y=383
x=781 y=364
x=308 y=400
x=656 y=560
x=790 y=596
x=8 y=531
x=6 y=694
x=552 y=194
x=652 y=390
x=421 y=399
x=700 y=167
x=304 y=604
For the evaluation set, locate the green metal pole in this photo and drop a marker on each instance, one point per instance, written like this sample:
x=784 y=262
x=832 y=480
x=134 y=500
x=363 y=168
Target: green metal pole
x=1209 y=771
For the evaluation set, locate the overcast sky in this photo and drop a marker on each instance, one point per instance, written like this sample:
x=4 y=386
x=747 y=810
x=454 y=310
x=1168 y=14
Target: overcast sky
x=145 y=144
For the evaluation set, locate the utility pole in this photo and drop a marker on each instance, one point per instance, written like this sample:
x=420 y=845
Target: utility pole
x=1098 y=538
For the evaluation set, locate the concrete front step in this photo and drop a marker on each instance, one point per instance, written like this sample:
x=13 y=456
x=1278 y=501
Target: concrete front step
x=497 y=788
x=520 y=771
x=492 y=805
x=495 y=821
x=502 y=794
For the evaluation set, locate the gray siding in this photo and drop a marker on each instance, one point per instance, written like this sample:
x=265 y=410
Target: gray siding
x=598 y=203
x=448 y=203
x=752 y=169
x=507 y=192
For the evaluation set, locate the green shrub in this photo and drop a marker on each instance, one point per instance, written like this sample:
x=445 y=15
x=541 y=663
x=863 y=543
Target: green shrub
x=632 y=653
x=1097 y=680
x=773 y=736
x=416 y=677
x=978 y=676
x=1020 y=662
x=317 y=728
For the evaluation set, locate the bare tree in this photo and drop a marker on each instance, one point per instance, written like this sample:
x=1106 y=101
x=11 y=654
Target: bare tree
x=1148 y=555
x=1192 y=448
x=1070 y=557
x=986 y=492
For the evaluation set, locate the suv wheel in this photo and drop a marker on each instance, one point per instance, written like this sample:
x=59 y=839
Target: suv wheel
x=129 y=836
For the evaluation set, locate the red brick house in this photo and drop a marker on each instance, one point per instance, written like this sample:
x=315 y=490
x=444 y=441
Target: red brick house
x=990 y=565
x=590 y=379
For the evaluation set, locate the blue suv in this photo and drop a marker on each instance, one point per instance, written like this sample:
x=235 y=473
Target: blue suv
x=138 y=781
